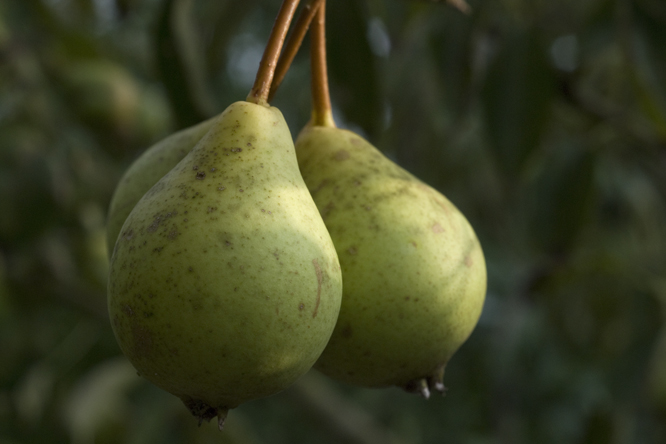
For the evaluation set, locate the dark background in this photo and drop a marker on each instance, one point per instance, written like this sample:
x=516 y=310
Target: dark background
x=544 y=121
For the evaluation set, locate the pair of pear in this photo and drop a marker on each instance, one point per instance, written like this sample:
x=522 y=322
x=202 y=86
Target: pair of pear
x=226 y=276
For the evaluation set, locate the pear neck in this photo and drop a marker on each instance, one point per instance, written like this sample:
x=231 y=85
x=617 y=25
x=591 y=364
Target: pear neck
x=323 y=118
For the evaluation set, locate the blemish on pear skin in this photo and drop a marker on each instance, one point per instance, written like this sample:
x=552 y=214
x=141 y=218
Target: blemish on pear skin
x=327 y=209
x=321 y=185
x=341 y=155
x=319 y=281
x=142 y=338
x=128 y=310
x=468 y=261
x=159 y=218
x=201 y=175
x=437 y=228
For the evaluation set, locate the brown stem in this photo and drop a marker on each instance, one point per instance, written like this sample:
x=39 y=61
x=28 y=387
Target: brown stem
x=262 y=83
x=321 y=99
x=293 y=44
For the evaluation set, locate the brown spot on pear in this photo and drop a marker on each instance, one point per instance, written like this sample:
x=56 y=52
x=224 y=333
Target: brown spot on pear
x=146 y=171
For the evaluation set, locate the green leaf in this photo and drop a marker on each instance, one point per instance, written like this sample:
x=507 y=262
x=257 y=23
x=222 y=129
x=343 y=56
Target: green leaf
x=449 y=40
x=650 y=67
x=221 y=20
x=179 y=64
x=352 y=65
x=517 y=99
x=559 y=197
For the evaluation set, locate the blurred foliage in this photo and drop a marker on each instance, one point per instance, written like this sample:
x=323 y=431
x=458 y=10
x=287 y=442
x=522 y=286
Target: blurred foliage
x=544 y=121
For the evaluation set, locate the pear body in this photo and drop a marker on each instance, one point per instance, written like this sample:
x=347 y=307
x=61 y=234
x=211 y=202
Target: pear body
x=224 y=284
x=145 y=171
x=413 y=270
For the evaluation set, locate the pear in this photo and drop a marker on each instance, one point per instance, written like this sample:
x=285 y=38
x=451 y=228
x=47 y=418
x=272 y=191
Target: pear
x=224 y=285
x=145 y=171
x=413 y=269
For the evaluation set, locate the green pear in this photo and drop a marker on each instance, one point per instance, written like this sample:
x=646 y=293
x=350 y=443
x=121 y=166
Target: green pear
x=145 y=171
x=413 y=270
x=224 y=285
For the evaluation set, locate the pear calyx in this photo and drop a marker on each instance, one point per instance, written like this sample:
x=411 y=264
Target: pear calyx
x=205 y=412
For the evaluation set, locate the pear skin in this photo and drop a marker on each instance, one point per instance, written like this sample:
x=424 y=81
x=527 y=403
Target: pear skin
x=224 y=284
x=145 y=171
x=413 y=270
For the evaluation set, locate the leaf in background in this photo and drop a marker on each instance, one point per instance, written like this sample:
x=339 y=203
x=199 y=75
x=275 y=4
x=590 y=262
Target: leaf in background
x=223 y=19
x=124 y=7
x=450 y=41
x=59 y=37
x=352 y=65
x=85 y=8
x=559 y=197
x=99 y=399
x=180 y=65
x=650 y=66
x=28 y=202
x=416 y=135
x=461 y=5
x=650 y=16
x=517 y=98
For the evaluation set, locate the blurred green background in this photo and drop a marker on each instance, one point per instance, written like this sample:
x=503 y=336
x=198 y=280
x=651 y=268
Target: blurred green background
x=544 y=121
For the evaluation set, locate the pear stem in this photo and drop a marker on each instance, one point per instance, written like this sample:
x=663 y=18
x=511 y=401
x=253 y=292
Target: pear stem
x=262 y=83
x=322 y=114
x=293 y=44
